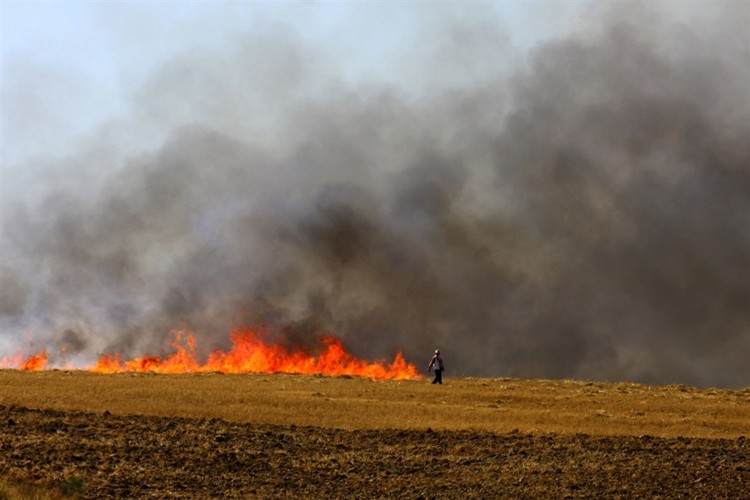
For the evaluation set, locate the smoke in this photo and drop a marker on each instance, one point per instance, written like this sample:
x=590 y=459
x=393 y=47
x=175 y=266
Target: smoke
x=584 y=215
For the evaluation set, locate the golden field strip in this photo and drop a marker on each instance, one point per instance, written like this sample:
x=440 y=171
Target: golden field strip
x=498 y=405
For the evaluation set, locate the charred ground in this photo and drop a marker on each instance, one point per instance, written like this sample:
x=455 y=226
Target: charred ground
x=219 y=436
x=104 y=455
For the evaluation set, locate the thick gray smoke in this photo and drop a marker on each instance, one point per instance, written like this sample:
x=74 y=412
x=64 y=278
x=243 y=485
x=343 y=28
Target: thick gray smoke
x=583 y=217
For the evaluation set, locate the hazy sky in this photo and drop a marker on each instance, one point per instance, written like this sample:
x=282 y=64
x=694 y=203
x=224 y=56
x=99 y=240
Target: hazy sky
x=540 y=189
x=85 y=60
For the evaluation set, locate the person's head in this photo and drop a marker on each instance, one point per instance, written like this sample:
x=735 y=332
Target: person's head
x=437 y=351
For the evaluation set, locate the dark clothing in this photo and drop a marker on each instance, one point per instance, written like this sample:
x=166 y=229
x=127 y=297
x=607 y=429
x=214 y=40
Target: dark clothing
x=437 y=363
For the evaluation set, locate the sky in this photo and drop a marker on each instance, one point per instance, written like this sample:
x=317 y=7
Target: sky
x=87 y=58
x=540 y=189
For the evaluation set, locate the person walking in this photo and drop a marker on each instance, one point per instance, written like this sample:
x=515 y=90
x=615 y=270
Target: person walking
x=437 y=363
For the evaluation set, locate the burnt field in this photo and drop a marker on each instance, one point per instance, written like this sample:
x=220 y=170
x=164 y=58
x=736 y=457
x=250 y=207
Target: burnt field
x=99 y=456
x=50 y=446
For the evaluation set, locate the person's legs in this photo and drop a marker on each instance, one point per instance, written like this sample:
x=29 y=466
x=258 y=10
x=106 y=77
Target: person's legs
x=439 y=376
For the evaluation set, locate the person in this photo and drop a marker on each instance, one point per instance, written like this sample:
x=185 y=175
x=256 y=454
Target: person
x=437 y=363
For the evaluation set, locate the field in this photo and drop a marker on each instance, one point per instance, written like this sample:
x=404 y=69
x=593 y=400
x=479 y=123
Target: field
x=77 y=434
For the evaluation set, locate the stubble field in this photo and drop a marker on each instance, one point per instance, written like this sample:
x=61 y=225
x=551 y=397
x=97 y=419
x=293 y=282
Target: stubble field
x=68 y=433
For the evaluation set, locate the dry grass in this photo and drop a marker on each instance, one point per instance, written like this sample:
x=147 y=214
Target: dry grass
x=83 y=435
x=495 y=405
x=21 y=490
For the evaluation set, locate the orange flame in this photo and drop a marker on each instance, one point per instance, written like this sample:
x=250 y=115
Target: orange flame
x=251 y=354
x=36 y=363
x=32 y=363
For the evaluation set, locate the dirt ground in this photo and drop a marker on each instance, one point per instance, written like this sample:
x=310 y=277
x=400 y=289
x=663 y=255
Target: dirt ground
x=99 y=455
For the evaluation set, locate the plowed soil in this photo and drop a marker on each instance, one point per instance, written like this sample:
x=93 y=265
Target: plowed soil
x=101 y=455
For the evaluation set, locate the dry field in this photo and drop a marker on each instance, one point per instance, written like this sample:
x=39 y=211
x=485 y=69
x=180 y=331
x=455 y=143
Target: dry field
x=85 y=435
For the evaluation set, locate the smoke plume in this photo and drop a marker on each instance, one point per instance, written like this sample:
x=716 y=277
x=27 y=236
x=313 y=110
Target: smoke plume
x=584 y=215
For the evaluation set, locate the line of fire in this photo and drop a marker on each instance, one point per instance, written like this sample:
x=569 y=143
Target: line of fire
x=250 y=353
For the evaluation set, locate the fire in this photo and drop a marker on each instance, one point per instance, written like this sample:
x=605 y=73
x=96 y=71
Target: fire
x=250 y=353
x=32 y=363
x=18 y=361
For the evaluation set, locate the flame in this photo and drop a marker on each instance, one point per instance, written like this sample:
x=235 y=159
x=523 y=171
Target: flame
x=32 y=363
x=250 y=353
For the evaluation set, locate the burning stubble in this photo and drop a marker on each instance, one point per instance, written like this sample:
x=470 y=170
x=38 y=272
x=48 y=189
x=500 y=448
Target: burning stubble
x=586 y=217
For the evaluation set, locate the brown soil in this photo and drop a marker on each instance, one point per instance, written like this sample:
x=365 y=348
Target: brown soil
x=99 y=455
